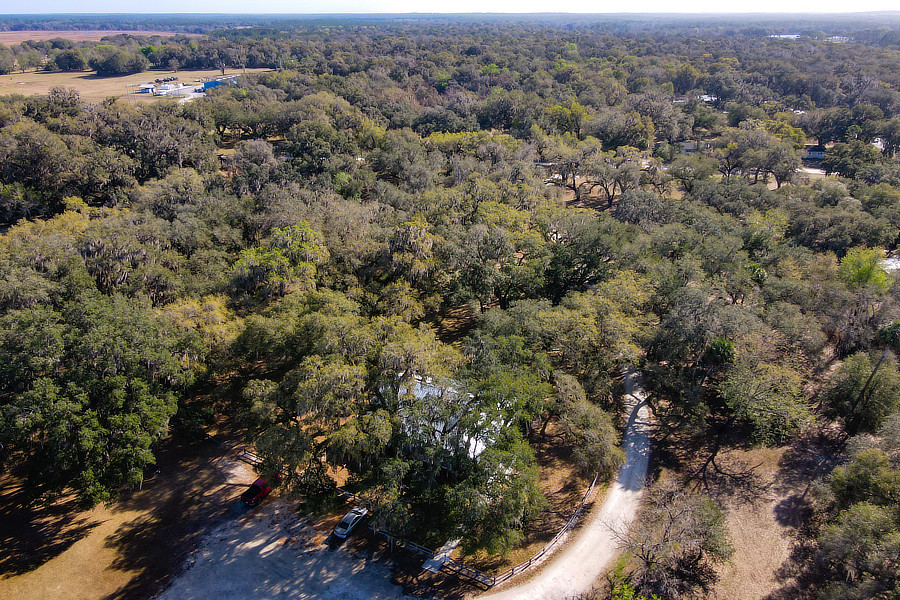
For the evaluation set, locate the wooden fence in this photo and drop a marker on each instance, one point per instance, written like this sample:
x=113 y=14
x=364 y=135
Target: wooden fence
x=453 y=565
x=474 y=574
x=249 y=456
x=570 y=524
x=462 y=569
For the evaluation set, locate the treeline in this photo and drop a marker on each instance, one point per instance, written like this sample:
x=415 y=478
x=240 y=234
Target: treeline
x=311 y=233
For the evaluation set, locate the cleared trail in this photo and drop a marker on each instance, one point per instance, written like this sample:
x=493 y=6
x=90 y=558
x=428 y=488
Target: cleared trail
x=574 y=570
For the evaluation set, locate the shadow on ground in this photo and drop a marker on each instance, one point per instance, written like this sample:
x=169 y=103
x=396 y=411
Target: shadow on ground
x=181 y=503
x=31 y=535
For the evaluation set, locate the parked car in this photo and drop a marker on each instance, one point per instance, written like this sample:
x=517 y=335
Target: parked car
x=349 y=522
x=256 y=492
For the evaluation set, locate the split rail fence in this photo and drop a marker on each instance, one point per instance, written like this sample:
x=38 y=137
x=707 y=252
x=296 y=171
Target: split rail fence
x=474 y=574
x=450 y=564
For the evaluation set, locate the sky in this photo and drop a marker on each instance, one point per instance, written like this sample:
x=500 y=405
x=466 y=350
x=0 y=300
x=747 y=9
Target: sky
x=440 y=6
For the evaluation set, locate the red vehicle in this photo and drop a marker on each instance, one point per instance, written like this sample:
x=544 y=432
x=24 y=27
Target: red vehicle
x=256 y=492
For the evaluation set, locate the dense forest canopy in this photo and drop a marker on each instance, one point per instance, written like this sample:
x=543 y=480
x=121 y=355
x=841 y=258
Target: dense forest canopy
x=588 y=195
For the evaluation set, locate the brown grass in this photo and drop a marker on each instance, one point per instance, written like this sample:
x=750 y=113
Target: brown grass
x=563 y=488
x=17 y=37
x=95 y=89
x=765 y=494
x=761 y=543
x=745 y=482
x=129 y=549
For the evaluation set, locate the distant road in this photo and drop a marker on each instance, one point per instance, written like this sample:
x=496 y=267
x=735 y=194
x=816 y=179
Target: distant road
x=575 y=569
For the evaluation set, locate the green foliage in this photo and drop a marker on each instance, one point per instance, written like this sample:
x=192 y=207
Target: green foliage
x=494 y=505
x=851 y=159
x=870 y=477
x=119 y=62
x=97 y=393
x=70 y=60
x=720 y=352
x=861 y=267
x=861 y=396
x=386 y=184
x=862 y=547
x=567 y=117
x=689 y=170
x=766 y=397
x=626 y=591
x=858 y=549
x=288 y=263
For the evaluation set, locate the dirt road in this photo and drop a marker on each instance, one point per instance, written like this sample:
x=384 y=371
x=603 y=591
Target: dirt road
x=272 y=552
x=578 y=566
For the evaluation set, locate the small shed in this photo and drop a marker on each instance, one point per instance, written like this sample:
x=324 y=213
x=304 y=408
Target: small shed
x=147 y=88
x=815 y=152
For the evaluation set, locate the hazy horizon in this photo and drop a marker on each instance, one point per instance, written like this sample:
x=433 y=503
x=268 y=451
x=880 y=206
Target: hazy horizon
x=443 y=7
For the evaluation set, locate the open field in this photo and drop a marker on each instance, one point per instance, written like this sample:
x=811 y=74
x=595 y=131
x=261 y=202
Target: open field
x=765 y=492
x=129 y=549
x=93 y=88
x=95 y=35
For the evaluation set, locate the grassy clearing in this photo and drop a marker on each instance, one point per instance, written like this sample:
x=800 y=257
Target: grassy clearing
x=765 y=492
x=128 y=549
x=93 y=35
x=95 y=89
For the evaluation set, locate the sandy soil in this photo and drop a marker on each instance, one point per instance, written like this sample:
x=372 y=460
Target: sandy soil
x=272 y=552
x=129 y=549
x=760 y=541
x=892 y=263
x=575 y=569
x=765 y=517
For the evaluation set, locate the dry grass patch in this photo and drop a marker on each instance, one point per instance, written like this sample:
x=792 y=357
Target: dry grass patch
x=93 y=35
x=563 y=488
x=129 y=549
x=93 y=88
x=761 y=542
x=765 y=493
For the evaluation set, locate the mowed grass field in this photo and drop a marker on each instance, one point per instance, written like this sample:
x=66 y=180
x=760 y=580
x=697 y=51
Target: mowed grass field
x=95 y=35
x=95 y=89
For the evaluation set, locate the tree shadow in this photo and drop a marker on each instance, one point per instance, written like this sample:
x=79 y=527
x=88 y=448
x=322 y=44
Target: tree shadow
x=708 y=465
x=815 y=454
x=730 y=479
x=797 y=575
x=32 y=534
x=279 y=555
x=185 y=500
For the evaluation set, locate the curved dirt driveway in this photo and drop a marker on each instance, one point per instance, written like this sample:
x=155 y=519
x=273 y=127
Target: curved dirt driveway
x=575 y=569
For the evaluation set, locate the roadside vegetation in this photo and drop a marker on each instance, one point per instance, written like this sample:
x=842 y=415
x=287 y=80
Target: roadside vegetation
x=415 y=252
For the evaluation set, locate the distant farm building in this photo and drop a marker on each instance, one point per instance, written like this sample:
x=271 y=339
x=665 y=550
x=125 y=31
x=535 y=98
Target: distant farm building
x=814 y=152
x=185 y=91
